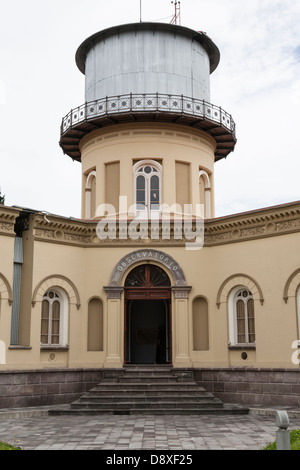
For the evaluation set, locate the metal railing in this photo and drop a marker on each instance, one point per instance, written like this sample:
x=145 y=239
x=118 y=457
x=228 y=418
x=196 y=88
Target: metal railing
x=148 y=102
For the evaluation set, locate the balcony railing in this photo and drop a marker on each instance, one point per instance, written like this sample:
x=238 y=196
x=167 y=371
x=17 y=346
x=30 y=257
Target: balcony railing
x=148 y=103
x=183 y=110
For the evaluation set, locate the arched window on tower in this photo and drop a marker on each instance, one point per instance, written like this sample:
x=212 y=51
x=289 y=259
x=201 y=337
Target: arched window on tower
x=205 y=188
x=90 y=195
x=241 y=316
x=147 y=187
x=54 y=318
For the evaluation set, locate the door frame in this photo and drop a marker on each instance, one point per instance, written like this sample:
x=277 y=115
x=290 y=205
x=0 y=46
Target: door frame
x=153 y=293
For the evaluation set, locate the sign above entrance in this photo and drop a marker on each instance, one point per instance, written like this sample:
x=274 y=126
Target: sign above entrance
x=147 y=255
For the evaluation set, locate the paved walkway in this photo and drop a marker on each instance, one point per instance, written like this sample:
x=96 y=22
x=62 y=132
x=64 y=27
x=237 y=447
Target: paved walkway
x=38 y=431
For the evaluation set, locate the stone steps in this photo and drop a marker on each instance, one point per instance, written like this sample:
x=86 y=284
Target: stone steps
x=145 y=387
x=147 y=399
x=147 y=390
x=142 y=394
x=147 y=404
x=228 y=410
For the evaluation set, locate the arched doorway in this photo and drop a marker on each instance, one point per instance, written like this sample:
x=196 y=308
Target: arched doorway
x=147 y=316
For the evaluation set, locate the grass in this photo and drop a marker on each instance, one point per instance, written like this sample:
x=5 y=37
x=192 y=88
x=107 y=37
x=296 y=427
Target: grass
x=5 y=446
x=295 y=441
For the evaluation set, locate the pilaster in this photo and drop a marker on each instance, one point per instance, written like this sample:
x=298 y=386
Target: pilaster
x=113 y=358
x=181 y=334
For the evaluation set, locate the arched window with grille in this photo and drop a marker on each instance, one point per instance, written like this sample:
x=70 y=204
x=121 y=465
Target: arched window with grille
x=54 y=318
x=244 y=307
x=241 y=316
x=147 y=187
x=147 y=276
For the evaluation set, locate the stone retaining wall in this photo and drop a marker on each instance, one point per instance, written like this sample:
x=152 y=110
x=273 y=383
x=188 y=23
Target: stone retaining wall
x=45 y=387
x=252 y=387
x=266 y=387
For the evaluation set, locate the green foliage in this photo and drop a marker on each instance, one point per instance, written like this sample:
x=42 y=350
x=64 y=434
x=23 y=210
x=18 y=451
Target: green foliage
x=2 y=198
x=4 y=446
x=295 y=441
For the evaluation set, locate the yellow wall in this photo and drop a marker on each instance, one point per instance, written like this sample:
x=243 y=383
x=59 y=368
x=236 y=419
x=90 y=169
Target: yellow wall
x=268 y=261
x=127 y=144
x=257 y=250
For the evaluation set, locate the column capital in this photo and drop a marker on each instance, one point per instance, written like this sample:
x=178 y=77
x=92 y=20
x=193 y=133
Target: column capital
x=113 y=292
x=181 y=292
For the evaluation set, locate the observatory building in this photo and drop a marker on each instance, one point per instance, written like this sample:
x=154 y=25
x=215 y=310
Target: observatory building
x=148 y=280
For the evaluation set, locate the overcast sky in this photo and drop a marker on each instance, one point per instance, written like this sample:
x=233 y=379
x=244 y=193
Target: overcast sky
x=257 y=81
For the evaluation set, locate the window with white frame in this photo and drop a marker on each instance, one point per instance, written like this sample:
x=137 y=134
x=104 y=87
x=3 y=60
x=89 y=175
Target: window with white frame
x=54 y=318
x=147 y=187
x=298 y=310
x=241 y=316
x=205 y=188
x=90 y=195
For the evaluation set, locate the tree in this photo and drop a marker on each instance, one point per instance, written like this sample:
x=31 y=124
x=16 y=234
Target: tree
x=2 y=198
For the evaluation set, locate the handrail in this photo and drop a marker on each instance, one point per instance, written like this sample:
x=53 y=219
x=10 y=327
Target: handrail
x=148 y=102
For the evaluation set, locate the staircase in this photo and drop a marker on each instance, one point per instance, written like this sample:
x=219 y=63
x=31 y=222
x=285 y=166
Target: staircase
x=148 y=389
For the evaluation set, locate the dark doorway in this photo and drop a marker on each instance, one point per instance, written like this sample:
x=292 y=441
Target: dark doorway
x=147 y=316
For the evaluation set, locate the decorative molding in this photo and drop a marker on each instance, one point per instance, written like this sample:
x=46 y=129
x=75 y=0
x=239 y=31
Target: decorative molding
x=5 y=289
x=181 y=292
x=113 y=292
x=262 y=223
x=236 y=280
x=141 y=256
x=62 y=230
x=238 y=228
x=7 y=228
x=60 y=281
x=8 y=218
x=292 y=285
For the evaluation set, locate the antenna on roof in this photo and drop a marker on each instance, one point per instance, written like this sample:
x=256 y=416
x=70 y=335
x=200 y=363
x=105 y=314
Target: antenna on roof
x=140 y=11
x=177 y=15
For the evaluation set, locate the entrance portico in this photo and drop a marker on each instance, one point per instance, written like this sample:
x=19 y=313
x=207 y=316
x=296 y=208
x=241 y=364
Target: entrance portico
x=171 y=310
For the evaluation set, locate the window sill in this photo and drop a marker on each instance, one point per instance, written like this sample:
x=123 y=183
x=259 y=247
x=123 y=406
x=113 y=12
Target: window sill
x=49 y=347
x=239 y=347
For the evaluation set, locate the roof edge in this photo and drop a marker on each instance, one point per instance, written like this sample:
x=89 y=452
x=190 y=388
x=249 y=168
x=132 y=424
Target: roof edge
x=201 y=37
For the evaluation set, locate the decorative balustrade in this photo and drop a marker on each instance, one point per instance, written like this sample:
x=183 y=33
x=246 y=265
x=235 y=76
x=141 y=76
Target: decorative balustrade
x=148 y=103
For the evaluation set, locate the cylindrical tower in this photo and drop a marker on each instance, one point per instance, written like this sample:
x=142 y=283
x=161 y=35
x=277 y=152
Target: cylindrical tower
x=147 y=130
x=147 y=58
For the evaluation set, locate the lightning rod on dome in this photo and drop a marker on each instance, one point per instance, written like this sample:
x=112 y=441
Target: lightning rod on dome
x=177 y=15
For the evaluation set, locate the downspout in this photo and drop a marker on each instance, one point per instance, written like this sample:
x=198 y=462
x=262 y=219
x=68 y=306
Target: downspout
x=21 y=225
x=15 y=312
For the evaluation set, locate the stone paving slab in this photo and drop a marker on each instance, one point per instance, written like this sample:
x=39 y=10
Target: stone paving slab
x=135 y=433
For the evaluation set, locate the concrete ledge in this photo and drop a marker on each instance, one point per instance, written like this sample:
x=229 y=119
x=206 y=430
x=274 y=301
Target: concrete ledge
x=271 y=411
x=43 y=411
x=30 y=412
x=12 y=413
